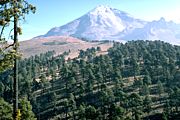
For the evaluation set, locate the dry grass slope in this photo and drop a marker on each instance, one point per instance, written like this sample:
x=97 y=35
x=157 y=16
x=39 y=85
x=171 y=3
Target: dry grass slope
x=59 y=44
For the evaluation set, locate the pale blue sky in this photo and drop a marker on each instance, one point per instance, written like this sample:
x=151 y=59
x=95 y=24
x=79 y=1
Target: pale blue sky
x=54 y=13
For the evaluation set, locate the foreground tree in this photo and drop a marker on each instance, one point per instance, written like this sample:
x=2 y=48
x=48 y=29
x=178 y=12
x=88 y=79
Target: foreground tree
x=11 y=12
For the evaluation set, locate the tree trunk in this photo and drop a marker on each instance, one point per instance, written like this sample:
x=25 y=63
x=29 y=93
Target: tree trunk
x=15 y=86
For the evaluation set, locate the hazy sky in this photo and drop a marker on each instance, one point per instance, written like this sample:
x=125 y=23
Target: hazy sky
x=54 y=13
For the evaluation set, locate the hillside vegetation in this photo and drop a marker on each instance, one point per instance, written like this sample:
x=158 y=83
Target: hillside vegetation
x=133 y=81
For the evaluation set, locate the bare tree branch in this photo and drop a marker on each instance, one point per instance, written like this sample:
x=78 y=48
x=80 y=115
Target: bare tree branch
x=2 y=30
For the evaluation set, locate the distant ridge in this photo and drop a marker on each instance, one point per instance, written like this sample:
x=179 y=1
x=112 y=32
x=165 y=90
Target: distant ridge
x=59 y=44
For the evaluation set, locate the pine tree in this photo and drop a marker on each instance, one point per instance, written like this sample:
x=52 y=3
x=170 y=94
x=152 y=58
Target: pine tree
x=82 y=112
x=5 y=110
x=26 y=110
x=147 y=102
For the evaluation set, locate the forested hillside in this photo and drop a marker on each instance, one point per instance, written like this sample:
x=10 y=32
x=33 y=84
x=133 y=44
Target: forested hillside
x=136 y=80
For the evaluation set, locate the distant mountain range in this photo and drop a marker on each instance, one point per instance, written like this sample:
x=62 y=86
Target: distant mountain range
x=106 y=23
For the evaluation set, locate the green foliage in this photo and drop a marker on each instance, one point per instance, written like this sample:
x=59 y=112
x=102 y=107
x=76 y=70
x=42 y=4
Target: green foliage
x=9 y=11
x=147 y=80
x=135 y=80
x=145 y=90
x=5 y=110
x=91 y=112
x=26 y=110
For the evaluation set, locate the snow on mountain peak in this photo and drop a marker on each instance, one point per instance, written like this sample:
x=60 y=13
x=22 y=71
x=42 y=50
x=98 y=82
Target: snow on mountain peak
x=103 y=22
x=106 y=23
x=101 y=10
x=105 y=17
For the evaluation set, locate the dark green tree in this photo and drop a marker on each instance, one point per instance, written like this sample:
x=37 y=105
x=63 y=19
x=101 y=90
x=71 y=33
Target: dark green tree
x=5 y=110
x=147 y=80
x=91 y=112
x=147 y=102
x=26 y=110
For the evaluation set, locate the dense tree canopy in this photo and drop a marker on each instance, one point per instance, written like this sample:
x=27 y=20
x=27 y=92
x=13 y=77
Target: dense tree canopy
x=135 y=80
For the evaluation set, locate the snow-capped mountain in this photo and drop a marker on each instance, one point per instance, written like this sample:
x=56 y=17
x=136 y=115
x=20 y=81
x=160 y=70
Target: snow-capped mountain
x=106 y=23
x=157 y=30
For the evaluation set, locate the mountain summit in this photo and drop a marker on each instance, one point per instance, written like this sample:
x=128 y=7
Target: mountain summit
x=106 y=23
x=103 y=22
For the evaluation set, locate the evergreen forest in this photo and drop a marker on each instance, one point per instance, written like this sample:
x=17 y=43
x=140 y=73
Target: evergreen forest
x=137 y=80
